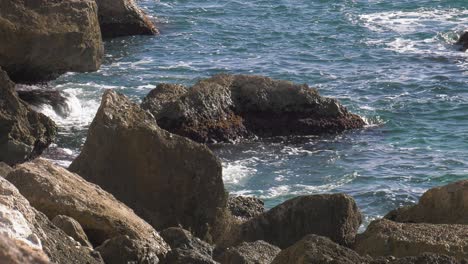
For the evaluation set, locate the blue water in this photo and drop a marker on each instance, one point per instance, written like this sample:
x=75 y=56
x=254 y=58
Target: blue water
x=392 y=62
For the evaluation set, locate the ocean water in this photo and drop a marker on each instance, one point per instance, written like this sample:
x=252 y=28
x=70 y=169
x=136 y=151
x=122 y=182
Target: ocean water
x=392 y=62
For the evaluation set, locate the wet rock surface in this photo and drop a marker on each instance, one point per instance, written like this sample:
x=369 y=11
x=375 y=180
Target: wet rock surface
x=245 y=207
x=463 y=41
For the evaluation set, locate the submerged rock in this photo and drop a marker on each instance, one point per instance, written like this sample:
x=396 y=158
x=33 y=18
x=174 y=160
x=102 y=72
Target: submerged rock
x=55 y=191
x=41 y=97
x=17 y=252
x=387 y=238
x=258 y=252
x=226 y=108
x=123 y=18
x=44 y=38
x=331 y=215
x=72 y=228
x=168 y=180
x=24 y=133
x=245 y=207
x=463 y=41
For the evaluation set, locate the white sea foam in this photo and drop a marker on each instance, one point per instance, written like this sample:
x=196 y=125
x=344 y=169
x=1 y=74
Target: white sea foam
x=237 y=172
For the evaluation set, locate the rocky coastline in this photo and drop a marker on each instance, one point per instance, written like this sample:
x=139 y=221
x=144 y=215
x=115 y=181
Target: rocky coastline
x=145 y=187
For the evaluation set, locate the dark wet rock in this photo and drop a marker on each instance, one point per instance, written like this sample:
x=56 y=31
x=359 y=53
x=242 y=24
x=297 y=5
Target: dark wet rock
x=24 y=133
x=14 y=251
x=425 y=258
x=226 y=108
x=123 y=18
x=47 y=38
x=22 y=222
x=245 y=207
x=4 y=169
x=331 y=215
x=463 y=41
x=313 y=249
x=40 y=97
x=55 y=191
x=258 y=252
x=124 y=250
x=387 y=238
x=167 y=179
x=72 y=228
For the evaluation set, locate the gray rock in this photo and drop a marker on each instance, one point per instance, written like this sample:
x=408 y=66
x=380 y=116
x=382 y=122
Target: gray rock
x=124 y=250
x=258 y=252
x=245 y=207
x=72 y=228
x=4 y=169
x=425 y=258
x=463 y=41
x=13 y=251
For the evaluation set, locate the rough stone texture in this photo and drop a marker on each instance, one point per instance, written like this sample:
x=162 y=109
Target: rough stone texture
x=463 y=41
x=245 y=207
x=258 y=252
x=17 y=252
x=441 y=205
x=72 y=228
x=55 y=191
x=168 y=180
x=22 y=222
x=226 y=108
x=387 y=238
x=124 y=250
x=44 y=38
x=24 y=133
x=332 y=215
x=123 y=18
x=313 y=249
x=426 y=258
x=45 y=96
x=4 y=169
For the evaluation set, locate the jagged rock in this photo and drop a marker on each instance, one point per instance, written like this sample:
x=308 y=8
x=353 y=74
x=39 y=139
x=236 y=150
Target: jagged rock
x=313 y=249
x=332 y=215
x=245 y=207
x=20 y=221
x=72 y=228
x=426 y=258
x=463 y=41
x=124 y=250
x=168 y=180
x=40 y=97
x=387 y=238
x=24 y=133
x=227 y=108
x=55 y=191
x=258 y=252
x=123 y=18
x=17 y=252
x=4 y=169
x=44 y=38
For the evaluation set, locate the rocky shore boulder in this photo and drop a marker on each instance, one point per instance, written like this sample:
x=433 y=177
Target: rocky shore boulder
x=331 y=215
x=167 y=179
x=4 y=169
x=463 y=41
x=17 y=252
x=72 y=228
x=227 y=108
x=387 y=238
x=258 y=252
x=42 y=39
x=55 y=191
x=244 y=207
x=24 y=133
x=123 y=18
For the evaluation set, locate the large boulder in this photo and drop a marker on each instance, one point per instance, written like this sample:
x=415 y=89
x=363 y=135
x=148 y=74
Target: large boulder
x=244 y=207
x=14 y=251
x=24 y=133
x=387 y=238
x=463 y=41
x=55 y=191
x=168 y=180
x=331 y=215
x=21 y=222
x=124 y=250
x=123 y=18
x=44 y=38
x=441 y=205
x=226 y=108
x=258 y=252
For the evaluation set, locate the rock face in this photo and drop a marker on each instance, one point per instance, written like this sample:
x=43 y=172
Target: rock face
x=313 y=249
x=463 y=41
x=332 y=215
x=123 y=250
x=123 y=18
x=258 y=252
x=39 y=97
x=4 y=169
x=226 y=108
x=56 y=191
x=388 y=238
x=72 y=228
x=43 y=38
x=168 y=180
x=23 y=223
x=17 y=252
x=245 y=207
x=442 y=205
x=24 y=133
x=425 y=258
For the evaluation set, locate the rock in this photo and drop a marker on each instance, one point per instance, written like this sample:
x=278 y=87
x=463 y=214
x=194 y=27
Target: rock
x=245 y=207
x=24 y=133
x=55 y=191
x=40 y=97
x=258 y=252
x=20 y=221
x=168 y=180
x=72 y=228
x=123 y=18
x=387 y=238
x=313 y=249
x=4 y=169
x=226 y=108
x=332 y=215
x=463 y=41
x=425 y=258
x=17 y=252
x=124 y=250
x=183 y=256
x=47 y=38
